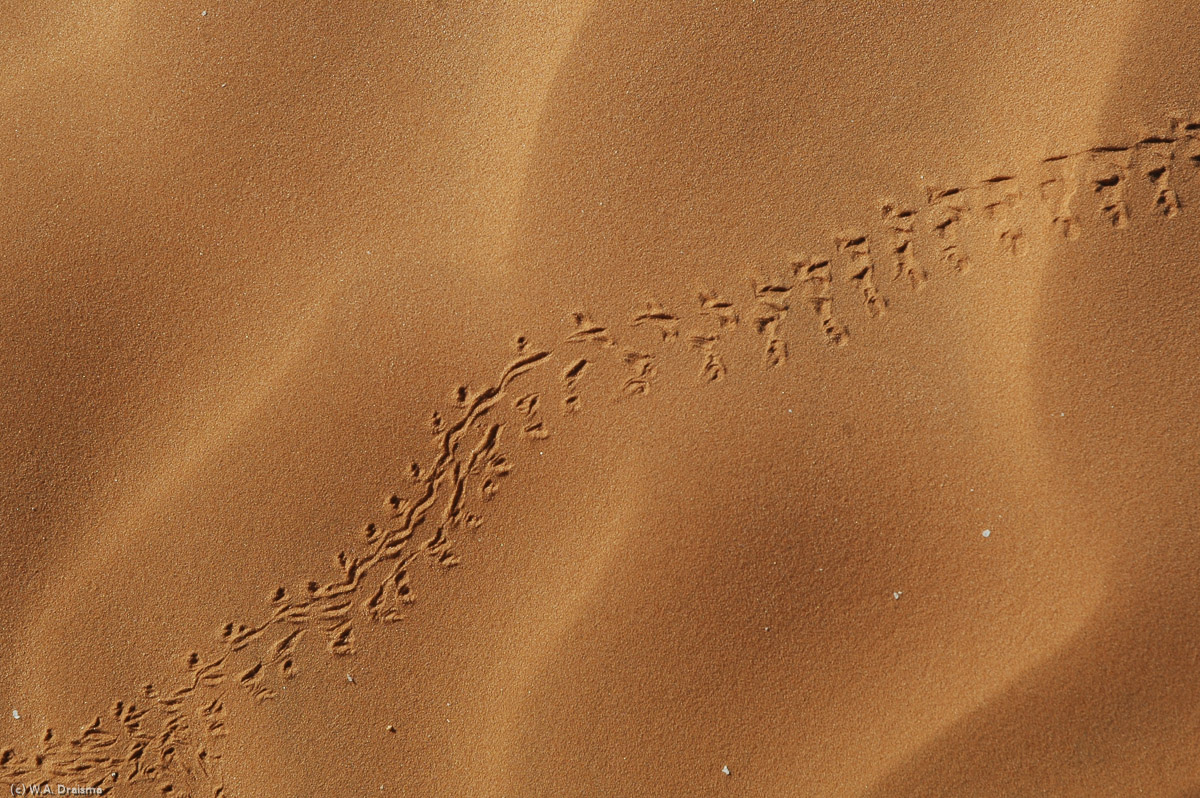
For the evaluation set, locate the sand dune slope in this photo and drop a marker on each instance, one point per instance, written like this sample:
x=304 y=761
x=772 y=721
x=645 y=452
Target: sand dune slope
x=615 y=399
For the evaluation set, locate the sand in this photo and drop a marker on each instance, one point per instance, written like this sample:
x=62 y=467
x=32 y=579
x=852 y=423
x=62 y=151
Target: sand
x=471 y=399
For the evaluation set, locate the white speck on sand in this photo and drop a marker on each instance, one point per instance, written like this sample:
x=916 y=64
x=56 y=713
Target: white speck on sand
x=725 y=770
x=897 y=595
x=16 y=715
x=987 y=533
x=350 y=678
x=204 y=13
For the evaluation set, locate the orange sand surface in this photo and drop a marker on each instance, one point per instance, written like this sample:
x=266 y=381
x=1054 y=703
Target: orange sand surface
x=600 y=399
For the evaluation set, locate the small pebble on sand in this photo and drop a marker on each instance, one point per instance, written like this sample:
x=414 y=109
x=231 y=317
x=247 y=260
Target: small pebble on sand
x=987 y=533
x=725 y=770
x=16 y=715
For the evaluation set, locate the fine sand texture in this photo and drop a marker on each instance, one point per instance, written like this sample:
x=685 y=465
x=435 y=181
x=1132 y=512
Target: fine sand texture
x=600 y=398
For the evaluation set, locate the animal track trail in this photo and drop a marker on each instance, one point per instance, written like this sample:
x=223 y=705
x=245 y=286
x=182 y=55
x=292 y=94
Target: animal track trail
x=640 y=364
x=1157 y=159
x=949 y=209
x=713 y=305
x=179 y=756
x=636 y=360
x=1002 y=203
x=712 y=308
x=173 y=738
x=627 y=359
x=1188 y=149
x=900 y=224
x=587 y=331
x=855 y=247
x=1108 y=169
x=657 y=317
x=716 y=319
x=1059 y=185
x=642 y=372
x=816 y=278
x=772 y=303
x=570 y=379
